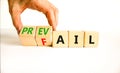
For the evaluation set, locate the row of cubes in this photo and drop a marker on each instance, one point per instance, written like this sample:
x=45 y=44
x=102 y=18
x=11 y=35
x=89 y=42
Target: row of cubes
x=44 y=36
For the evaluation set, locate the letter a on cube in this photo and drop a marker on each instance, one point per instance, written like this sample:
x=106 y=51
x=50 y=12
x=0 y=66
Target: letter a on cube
x=60 y=39
x=27 y=36
x=44 y=35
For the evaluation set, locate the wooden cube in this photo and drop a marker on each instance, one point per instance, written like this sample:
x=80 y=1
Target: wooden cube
x=44 y=35
x=27 y=36
x=76 y=38
x=60 y=39
x=91 y=39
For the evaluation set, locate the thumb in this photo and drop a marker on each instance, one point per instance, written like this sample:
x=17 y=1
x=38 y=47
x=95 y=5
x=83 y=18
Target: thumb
x=17 y=21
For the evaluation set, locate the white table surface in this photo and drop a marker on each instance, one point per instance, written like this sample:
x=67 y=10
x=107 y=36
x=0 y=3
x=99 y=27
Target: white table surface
x=16 y=58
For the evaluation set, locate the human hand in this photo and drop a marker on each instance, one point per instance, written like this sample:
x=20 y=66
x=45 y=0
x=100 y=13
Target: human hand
x=16 y=7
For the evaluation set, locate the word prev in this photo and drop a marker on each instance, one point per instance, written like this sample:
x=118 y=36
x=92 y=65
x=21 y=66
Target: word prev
x=44 y=36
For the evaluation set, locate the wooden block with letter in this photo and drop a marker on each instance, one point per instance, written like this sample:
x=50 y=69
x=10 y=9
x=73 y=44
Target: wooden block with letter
x=76 y=38
x=27 y=36
x=44 y=35
x=91 y=39
x=60 y=38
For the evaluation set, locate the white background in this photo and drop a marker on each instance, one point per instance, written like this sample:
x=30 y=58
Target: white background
x=88 y=15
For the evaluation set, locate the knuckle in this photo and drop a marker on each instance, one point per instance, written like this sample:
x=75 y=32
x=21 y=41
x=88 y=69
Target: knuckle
x=12 y=10
x=50 y=10
x=56 y=10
